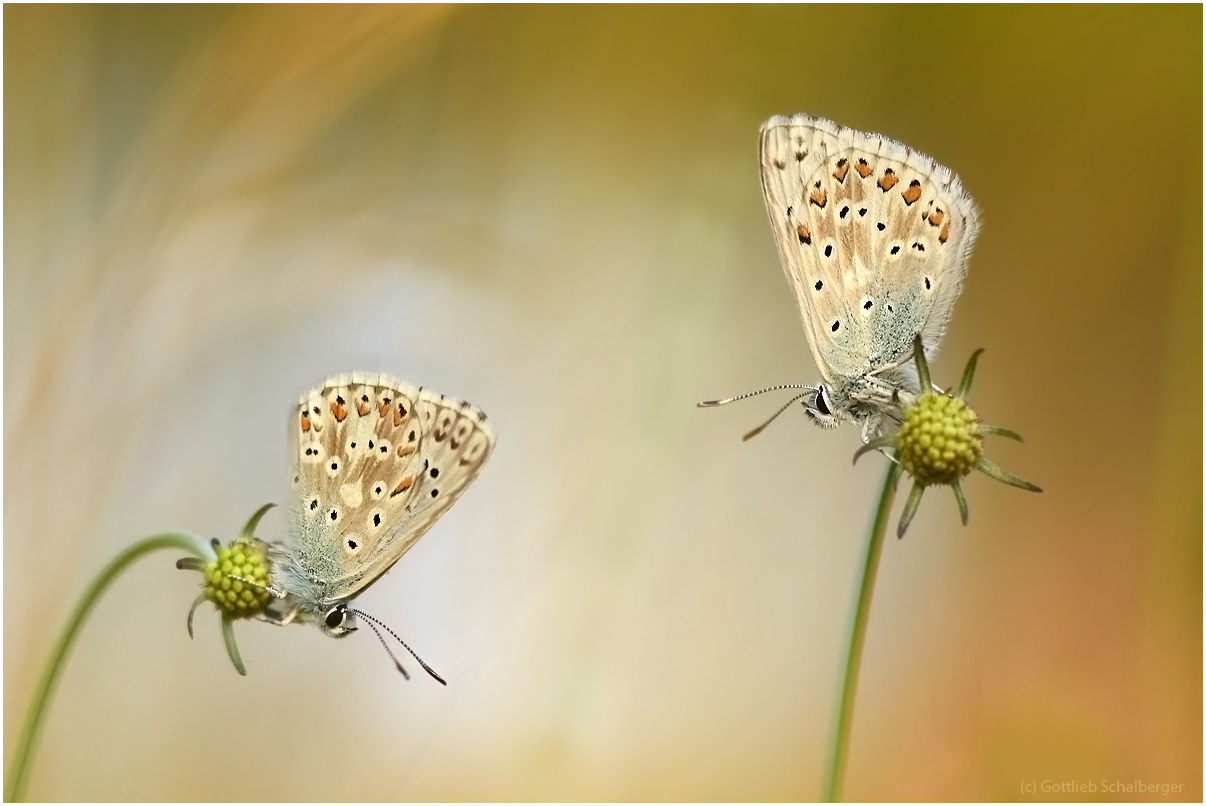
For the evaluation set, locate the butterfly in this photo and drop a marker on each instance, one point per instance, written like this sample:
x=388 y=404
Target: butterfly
x=374 y=462
x=874 y=238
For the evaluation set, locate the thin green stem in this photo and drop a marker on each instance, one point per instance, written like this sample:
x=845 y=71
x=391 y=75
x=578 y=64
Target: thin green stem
x=839 y=738
x=18 y=773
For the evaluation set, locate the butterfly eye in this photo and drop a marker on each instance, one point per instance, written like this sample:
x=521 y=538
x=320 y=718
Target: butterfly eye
x=335 y=617
x=819 y=404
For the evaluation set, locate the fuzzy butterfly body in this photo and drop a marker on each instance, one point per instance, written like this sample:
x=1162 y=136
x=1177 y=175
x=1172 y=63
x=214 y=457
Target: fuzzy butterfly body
x=874 y=239
x=374 y=462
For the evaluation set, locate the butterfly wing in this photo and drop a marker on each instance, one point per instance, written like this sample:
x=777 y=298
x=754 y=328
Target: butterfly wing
x=375 y=462
x=873 y=237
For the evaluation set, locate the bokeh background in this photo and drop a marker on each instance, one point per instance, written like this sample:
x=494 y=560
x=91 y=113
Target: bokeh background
x=555 y=213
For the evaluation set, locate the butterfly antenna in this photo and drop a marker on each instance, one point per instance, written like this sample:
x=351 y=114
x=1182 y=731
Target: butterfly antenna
x=373 y=621
x=759 y=429
x=707 y=404
x=381 y=638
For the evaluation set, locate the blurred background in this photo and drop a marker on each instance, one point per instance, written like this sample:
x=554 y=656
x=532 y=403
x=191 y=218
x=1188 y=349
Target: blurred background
x=554 y=212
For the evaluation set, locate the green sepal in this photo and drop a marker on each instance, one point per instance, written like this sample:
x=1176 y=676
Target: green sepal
x=1004 y=476
x=958 y=490
x=923 y=366
x=998 y=431
x=203 y=597
x=910 y=508
x=968 y=373
x=895 y=473
x=886 y=441
x=232 y=648
x=249 y=530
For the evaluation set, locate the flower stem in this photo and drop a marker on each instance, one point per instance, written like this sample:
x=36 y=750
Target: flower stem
x=839 y=739
x=18 y=773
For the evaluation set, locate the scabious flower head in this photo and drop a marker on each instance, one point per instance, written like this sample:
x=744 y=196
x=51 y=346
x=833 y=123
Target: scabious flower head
x=237 y=582
x=940 y=441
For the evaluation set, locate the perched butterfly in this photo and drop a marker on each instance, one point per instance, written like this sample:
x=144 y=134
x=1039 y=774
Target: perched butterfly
x=874 y=239
x=374 y=462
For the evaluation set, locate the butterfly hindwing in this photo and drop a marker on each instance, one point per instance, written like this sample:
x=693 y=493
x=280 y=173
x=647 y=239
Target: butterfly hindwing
x=457 y=440
x=363 y=446
x=873 y=237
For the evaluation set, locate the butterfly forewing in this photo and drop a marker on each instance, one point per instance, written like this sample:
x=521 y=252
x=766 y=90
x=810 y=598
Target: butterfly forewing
x=364 y=446
x=873 y=237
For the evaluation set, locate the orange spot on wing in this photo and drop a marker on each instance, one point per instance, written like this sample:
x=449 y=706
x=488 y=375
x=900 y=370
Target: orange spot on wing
x=405 y=450
x=362 y=408
x=913 y=193
x=843 y=165
x=887 y=181
x=403 y=486
x=804 y=235
x=305 y=423
x=398 y=416
x=339 y=411
x=946 y=232
x=384 y=409
x=817 y=197
x=864 y=170
x=936 y=217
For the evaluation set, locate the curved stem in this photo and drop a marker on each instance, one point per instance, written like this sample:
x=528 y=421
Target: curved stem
x=18 y=773
x=839 y=738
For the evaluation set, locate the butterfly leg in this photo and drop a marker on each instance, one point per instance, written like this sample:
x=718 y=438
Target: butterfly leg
x=281 y=611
